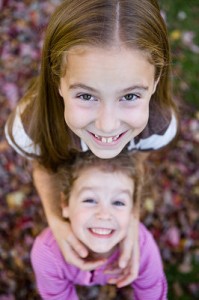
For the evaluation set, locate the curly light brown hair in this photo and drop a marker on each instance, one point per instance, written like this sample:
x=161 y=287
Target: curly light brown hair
x=77 y=162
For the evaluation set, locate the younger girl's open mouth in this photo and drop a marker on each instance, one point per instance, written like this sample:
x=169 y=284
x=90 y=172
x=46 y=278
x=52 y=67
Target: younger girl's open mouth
x=101 y=232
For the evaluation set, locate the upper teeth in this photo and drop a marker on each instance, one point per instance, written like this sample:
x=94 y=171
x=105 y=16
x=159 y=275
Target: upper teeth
x=107 y=139
x=102 y=231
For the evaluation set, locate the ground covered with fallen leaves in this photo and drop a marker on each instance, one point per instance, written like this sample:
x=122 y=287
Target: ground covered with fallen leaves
x=170 y=206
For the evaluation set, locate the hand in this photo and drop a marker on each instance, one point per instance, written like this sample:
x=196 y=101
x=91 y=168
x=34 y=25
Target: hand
x=128 y=268
x=72 y=249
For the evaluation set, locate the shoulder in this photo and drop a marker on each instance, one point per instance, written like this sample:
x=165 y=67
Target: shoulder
x=46 y=257
x=151 y=279
x=145 y=236
x=146 y=240
x=54 y=276
x=149 y=256
x=149 y=252
x=16 y=133
x=156 y=135
x=45 y=246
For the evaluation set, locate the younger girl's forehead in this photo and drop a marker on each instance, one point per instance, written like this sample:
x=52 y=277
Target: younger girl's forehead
x=101 y=170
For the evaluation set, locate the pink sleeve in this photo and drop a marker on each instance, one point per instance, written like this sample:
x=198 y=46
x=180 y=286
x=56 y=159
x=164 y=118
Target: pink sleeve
x=52 y=282
x=151 y=283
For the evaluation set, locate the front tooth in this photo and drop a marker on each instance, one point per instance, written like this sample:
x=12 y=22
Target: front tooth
x=108 y=139
x=116 y=137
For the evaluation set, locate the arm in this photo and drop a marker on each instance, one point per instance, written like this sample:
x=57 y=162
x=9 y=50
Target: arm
x=71 y=248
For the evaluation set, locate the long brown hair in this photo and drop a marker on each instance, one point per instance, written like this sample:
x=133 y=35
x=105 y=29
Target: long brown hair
x=137 y=24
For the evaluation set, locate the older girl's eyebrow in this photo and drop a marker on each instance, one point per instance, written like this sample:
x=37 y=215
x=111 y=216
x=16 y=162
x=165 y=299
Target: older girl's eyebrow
x=136 y=87
x=126 y=90
x=76 y=86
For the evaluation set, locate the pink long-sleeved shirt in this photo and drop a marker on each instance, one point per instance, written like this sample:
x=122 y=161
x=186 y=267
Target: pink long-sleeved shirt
x=56 y=279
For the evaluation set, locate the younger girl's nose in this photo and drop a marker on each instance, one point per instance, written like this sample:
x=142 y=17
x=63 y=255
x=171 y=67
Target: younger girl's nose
x=103 y=212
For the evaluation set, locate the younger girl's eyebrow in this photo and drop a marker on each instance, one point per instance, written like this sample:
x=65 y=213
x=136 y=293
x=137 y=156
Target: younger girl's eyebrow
x=126 y=90
x=118 y=191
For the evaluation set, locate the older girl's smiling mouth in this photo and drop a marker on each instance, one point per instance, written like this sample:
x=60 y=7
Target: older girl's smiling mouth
x=107 y=139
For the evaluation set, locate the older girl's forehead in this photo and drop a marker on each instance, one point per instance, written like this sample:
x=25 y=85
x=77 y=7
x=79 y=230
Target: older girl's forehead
x=126 y=65
x=105 y=50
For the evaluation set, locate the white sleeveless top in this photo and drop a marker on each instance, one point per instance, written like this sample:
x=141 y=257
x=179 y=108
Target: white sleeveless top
x=153 y=141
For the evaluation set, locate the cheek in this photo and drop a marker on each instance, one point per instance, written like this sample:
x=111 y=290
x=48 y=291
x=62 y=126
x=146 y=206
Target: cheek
x=78 y=218
x=124 y=221
x=138 y=117
x=75 y=117
x=77 y=221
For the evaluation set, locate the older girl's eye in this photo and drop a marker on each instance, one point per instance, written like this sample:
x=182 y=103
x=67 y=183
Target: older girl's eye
x=130 y=97
x=86 y=97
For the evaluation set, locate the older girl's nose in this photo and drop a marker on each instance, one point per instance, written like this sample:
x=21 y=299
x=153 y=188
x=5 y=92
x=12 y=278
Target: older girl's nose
x=107 y=120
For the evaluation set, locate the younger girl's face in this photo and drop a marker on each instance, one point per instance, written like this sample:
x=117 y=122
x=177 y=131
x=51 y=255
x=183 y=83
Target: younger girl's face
x=100 y=208
x=106 y=94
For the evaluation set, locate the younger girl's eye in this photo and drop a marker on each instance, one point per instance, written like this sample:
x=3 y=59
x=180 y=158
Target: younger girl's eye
x=89 y=200
x=118 y=203
x=130 y=97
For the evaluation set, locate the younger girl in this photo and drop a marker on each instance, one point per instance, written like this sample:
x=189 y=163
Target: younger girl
x=104 y=85
x=99 y=198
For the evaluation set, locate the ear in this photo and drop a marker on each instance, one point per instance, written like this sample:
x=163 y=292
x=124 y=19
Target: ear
x=65 y=212
x=64 y=206
x=136 y=212
x=155 y=85
x=60 y=92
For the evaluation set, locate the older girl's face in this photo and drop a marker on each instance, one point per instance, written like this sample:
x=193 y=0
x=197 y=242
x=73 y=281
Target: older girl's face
x=106 y=94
